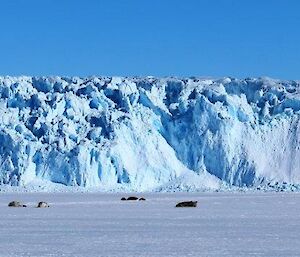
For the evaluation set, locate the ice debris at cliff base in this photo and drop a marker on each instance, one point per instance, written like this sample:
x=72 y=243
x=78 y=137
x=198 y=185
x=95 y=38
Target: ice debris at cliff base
x=144 y=134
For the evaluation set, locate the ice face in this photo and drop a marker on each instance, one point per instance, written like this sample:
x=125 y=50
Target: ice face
x=148 y=133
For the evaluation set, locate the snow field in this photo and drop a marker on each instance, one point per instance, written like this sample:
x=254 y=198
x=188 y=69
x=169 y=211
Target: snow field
x=223 y=224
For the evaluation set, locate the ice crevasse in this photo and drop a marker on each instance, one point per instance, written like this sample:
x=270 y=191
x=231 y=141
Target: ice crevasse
x=145 y=134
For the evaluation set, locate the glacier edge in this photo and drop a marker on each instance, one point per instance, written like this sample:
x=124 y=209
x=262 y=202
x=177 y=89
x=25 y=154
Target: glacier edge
x=150 y=134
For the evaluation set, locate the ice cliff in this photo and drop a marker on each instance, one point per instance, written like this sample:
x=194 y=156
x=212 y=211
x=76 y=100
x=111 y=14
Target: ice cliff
x=149 y=133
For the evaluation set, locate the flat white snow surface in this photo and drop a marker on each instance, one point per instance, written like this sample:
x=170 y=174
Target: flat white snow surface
x=85 y=224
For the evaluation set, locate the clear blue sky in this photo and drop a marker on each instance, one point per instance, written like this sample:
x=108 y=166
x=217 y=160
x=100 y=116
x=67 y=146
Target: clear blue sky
x=216 y=38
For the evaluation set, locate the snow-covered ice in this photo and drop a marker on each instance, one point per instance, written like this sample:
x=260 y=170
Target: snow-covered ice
x=149 y=134
x=223 y=224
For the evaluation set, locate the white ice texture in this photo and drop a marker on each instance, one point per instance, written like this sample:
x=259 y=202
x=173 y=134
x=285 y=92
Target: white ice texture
x=150 y=134
x=224 y=224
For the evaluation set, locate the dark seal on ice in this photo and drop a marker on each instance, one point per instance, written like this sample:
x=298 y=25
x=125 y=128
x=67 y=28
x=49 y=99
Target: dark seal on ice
x=43 y=205
x=187 y=204
x=132 y=198
x=16 y=204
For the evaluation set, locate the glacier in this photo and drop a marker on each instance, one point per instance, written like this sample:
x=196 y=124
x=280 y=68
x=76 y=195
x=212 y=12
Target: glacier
x=149 y=134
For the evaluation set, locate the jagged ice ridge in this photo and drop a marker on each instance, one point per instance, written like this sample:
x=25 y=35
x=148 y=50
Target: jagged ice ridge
x=145 y=134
